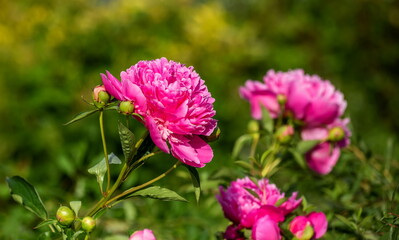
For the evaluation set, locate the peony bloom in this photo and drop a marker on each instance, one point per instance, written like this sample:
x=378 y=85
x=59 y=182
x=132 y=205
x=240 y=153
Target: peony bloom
x=266 y=228
x=244 y=202
x=307 y=98
x=323 y=157
x=145 y=234
x=175 y=104
x=312 y=226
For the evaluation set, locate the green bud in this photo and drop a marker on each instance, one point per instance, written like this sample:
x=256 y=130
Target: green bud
x=284 y=133
x=88 y=224
x=336 y=134
x=253 y=126
x=213 y=137
x=307 y=233
x=126 y=107
x=281 y=99
x=100 y=96
x=65 y=215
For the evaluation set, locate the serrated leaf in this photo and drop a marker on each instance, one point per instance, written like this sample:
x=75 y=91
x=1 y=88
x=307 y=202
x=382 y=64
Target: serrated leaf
x=25 y=194
x=267 y=121
x=101 y=168
x=239 y=144
x=127 y=141
x=305 y=146
x=46 y=223
x=81 y=116
x=76 y=205
x=159 y=193
x=195 y=180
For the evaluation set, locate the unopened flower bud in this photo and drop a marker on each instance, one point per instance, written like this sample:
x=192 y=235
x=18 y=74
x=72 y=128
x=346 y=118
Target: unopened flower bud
x=284 y=133
x=213 y=137
x=88 y=224
x=126 y=107
x=281 y=99
x=100 y=96
x=253 y=126
x=65 y=216
x=336 y=134
x=307 y=233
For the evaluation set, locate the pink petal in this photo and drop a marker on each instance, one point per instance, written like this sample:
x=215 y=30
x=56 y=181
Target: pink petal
x=191 y=150
x=156 y=135
x=145 y=234
x=298 y=225
x=322 y=158
x=113 y=85
x=133 y=93
x=298 y=100
x=291 y=204
x=321 y=111
x=267 y=210
x=319 y=222
x=265 y=229
x=316 y=133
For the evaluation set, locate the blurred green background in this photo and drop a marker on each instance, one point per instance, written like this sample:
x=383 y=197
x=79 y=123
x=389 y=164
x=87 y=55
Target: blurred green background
x=52 y=52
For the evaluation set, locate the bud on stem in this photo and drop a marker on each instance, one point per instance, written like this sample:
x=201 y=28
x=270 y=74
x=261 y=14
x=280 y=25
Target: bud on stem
x=65 y=216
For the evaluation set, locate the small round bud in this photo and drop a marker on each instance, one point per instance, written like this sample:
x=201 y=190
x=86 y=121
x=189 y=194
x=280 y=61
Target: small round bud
x=100 y=96
x=336 y=134
x=307 y=233
x=126 y=107
x=253 y=126
x=65 y=216
x=284 y=133
x=281 y=99
x=213 y=137
x=88 y=224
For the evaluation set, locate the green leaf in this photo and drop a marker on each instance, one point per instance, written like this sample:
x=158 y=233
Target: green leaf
x=243 y=164
x=46 y=223
x=146 y=146
x=25 y=194
x=265 y=155
x=127 y=141
x=159 y=193
x=298 y=158
x=76 y=205
x=101 y=168
x=81 y=116
x=196 y=181
x=239 y=144
x=305 y=146
x=76 y=234
x=267 y=121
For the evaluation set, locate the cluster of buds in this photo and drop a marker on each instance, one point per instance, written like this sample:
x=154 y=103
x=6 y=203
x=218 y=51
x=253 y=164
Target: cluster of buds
x=66 y=217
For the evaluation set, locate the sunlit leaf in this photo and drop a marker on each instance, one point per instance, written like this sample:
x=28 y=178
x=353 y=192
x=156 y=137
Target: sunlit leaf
x=127 y=141
x=81 y=116
x=159 y=193
x=25 y=194
x=195 y=180
x=305 y=146
x=101 y=168
x=76 y=205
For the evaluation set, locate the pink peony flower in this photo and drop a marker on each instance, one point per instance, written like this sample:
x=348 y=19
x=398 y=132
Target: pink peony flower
x=308 y=98
x=312 y=226
x=244 y=202
x=145 y=234
x=323 y=157
x=266 y=228
x=175 y=104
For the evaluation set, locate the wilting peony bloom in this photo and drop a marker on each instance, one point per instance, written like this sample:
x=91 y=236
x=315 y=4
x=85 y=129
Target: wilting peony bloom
x=175 y=104
x=307 y=98
x=145 y=234
x=265 y=229
x=312 y=226
x=323 y=157
x=244 y=208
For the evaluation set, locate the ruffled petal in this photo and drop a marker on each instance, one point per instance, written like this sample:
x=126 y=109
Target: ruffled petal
x=156 y=135
x=266 y=229
x=191 y=150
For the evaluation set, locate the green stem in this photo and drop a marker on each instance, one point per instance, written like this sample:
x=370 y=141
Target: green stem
x=131 y=190
x=105 y=151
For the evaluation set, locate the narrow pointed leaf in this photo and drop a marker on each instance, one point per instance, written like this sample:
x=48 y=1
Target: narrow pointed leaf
x=81 y=116
x=147 y=145
x=159 y=193
x=195 y=180
x=267 y=121
x=239 y=144
x=127 y=142
x=298 y=158
x=244 y=164
x=305 y=146
x=101 y=168
x=46 y=223
x=25 y=194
